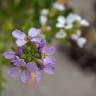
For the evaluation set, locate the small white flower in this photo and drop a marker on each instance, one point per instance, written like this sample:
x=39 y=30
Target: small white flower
x=76 y=36
x=59 y=6
x=62 y=23
x=61 y=34
x=44 y=12
x=81 y=42
x=43 y=20
x=84 y=23
x=72 y=17
x=61 y=19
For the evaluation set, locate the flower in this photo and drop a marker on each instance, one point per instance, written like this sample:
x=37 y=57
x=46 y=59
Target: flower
x=72 y=17
x=44 y=12
x=43 y=20
x=9 y=55
x=61 y=34
x=24 y=70
x=48 y=55
x=81 y=41
x=29 y=58
x=63 y=23
x=59 y=6
x=21 y=38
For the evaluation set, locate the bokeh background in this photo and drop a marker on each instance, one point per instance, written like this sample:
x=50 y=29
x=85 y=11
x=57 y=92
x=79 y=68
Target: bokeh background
x=75 y=69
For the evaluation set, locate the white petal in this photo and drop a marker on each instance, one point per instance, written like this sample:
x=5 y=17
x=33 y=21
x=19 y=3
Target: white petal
x=44 y=12
x=73 y=18
x=43 y=20
x=60 y=25
x=81 y=42
x=68 y=26
x=59 y=6
x=61 y=19
x=84 y=23
x=61 y=34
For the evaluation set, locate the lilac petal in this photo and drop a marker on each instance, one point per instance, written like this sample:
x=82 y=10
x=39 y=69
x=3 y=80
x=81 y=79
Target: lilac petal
x=18 y=34
x=38 y=76
x=20 y=42
x=33 y=32
x=14 y=72
x=25 y=77
x=49 y=69
x=20 y=50
x=9 y=55
x=32 y=67
x=51 y=51
x=42 y=44
x=49 y=60
x=19 y=62
x=36 y=40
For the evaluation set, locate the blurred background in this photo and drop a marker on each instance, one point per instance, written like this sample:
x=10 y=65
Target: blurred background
x=76 y=67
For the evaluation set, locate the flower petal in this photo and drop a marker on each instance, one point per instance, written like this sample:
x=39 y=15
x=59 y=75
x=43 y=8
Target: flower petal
x=61 y=34
x=14 y=72
x=36 y=40
x=81 y=42
x=32 y=67
x=49 y=60
x=51 y=51
x=20 y=42
x=25 y=77
x=18 y=34
x=49 y=69
x=19 y=62
x=33 y=32
x=38 y=76
x=9 y=55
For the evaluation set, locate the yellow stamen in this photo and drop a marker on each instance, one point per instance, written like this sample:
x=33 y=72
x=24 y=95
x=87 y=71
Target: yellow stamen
x=33 y=76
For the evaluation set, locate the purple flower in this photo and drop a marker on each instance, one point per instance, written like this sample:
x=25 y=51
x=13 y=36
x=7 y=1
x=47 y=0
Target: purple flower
x=21 y=38
x=9 y=55
x=48 y=55
x=24 y=70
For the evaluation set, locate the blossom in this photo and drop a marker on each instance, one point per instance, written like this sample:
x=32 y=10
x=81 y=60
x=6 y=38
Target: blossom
x=81 y=41
x=24 y=70
x=9 y=55
x=43 y=20
x=48 y=55
x=29 y=58
x=21 y=38
x=44 y=12
x=59 y=6
x=72 y=17
x=63 y=23
x=61 y=34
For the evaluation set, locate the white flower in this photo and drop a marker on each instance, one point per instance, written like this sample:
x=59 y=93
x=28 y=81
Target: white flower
x=59 y=6
x=72 y=17
x=61 y=34
x=81 y=42
x=63 y=23
x=44 y=12
x=84 y=23
x=76 y=36
x=43 y=20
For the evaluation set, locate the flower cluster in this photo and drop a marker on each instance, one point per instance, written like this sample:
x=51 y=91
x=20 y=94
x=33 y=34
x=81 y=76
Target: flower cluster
x=62 y=21
x=31 y=56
